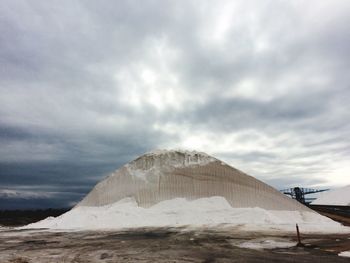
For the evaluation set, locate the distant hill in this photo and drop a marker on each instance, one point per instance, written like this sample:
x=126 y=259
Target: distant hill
x=339 y=196
x=24 y=217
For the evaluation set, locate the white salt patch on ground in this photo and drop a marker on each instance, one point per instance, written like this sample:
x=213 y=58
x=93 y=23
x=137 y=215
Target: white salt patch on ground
x=344 y=254
x=203 y=212
x=339 y=196
x=260 y=244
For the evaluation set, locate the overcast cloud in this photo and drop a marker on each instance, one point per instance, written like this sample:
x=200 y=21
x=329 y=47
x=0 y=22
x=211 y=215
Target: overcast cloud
x=87 y=86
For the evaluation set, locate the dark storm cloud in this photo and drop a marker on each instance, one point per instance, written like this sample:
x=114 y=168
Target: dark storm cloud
x=87 y=86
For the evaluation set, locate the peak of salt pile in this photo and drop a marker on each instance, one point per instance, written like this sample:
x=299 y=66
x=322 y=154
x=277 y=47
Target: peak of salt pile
x=171 y=158
x=186 y=188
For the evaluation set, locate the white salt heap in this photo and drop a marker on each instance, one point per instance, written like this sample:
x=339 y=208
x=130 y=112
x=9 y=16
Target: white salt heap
x=339 y=196
x=192 y=189
x=203 y=212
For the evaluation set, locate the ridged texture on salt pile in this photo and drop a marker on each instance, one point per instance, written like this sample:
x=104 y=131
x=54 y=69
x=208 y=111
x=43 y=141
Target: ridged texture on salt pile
x=164 y=175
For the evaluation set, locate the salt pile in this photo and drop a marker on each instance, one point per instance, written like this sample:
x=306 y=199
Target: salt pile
x=203 y=212
x=191 y=189
x=339 y=196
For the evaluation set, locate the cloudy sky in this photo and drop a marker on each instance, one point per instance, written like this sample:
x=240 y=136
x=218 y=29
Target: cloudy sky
x=87 y=86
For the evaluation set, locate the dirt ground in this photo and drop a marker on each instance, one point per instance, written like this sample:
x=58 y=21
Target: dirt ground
x=162 y=245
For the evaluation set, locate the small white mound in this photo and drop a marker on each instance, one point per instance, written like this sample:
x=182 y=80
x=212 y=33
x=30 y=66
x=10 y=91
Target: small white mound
x=179 y=212
x=339 y=196
x=344 y=254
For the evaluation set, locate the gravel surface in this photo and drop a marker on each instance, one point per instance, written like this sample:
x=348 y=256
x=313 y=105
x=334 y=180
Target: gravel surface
x=165 y=245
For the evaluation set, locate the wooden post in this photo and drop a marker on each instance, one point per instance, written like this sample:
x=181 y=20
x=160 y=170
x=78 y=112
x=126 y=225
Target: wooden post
x=299 y=244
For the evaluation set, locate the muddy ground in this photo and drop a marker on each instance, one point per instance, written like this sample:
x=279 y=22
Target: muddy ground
x=163 y=245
